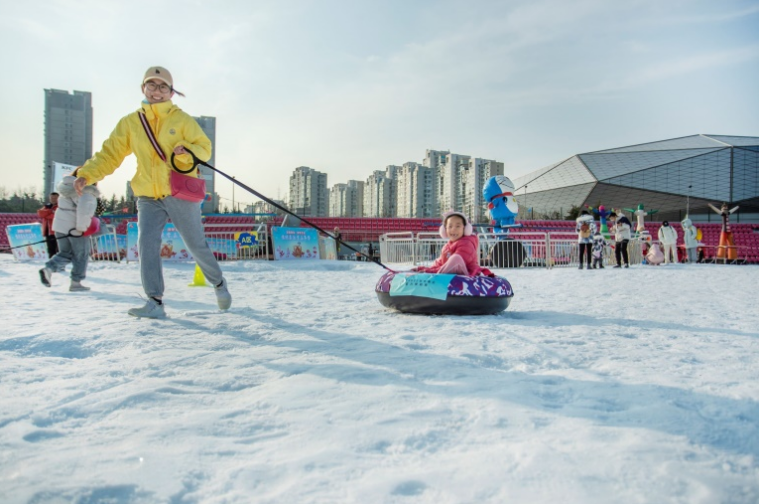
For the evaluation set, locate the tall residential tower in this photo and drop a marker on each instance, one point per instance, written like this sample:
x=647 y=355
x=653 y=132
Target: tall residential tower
x=68 y=131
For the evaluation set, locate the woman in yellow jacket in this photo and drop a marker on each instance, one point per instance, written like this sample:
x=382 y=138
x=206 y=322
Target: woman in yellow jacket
x=174 y=131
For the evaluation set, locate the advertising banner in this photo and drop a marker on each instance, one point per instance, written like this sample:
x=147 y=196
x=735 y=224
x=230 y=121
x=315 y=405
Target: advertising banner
x=59 y=171
x=295 y=243
x=172 y=245
x=27 y=234
x=327 y=248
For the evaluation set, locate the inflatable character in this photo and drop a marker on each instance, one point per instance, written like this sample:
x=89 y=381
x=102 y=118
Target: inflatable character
x=690 y=235
x=602 y=214
x=498 y=193
x=726 y=248
x=641 y=213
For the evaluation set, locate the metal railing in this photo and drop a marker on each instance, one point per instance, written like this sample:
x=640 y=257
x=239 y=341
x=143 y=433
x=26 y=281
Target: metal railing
x=516 y=250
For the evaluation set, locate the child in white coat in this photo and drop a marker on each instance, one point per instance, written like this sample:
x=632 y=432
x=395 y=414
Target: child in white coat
x=73 y=220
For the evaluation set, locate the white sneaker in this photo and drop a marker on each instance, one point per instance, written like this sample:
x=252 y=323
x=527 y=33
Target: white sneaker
x=45 y=275
x=223 y=297
x=151 y=310
x=76 y=286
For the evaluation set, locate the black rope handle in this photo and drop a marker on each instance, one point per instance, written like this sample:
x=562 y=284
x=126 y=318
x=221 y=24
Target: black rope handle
x=194 y=164
x=197 y=161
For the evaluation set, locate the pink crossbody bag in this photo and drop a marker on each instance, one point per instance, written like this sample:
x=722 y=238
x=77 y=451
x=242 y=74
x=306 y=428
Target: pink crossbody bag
x=183 y=186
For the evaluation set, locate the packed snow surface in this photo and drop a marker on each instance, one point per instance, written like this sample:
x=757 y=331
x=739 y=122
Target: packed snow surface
x=635 y=385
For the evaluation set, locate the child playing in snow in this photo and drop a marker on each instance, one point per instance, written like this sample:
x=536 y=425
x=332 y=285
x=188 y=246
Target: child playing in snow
x=72 y=219
x=599 y=244
x=460 y=256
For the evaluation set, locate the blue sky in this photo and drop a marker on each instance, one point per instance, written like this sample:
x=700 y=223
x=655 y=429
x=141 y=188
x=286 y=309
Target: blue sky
x=348 y=87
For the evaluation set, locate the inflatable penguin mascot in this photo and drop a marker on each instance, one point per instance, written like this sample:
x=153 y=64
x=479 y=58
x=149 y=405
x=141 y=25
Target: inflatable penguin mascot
x=498 y=193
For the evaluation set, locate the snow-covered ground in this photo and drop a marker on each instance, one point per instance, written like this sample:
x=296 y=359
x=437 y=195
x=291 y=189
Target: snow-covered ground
x=629 y=386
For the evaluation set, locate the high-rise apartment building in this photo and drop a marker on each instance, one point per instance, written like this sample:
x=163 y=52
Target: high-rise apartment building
x=210 y=205
x=379 y=193
x=458 y=182
x=68 y=131
x=308 y=192
x=415 y=193
x=347 y=200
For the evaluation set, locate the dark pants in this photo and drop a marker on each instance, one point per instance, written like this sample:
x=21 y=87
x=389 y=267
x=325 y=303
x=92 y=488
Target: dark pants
x=52 y=245
x=620 y=252
x=585 y=249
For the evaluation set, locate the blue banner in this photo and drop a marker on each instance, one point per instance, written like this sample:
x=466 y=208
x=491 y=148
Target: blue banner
x=172 y=245
x=26 y=234
x=431 y=285
x=295 y=243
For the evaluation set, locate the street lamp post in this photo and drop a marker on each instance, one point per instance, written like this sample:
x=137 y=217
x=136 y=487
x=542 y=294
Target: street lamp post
x=526 y=207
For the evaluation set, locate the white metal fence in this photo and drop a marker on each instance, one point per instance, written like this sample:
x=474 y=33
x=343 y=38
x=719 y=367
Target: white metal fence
x=516 y=250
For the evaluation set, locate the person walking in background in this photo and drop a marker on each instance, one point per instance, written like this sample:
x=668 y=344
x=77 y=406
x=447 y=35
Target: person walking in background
x=585 y=228
x=668 y=240
x=72 y=220
x=159 y=127
x=338 y=237
x=690 y=234
x=621 y=227
x=47 y=213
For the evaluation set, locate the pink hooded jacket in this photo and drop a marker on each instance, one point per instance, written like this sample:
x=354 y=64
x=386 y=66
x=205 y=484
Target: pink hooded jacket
x=467 y=247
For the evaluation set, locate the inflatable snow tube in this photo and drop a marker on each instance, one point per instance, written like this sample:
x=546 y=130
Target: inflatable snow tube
x=440 y=294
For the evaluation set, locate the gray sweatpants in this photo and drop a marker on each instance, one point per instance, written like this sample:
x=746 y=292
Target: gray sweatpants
x=152 y=215
x=74 y=250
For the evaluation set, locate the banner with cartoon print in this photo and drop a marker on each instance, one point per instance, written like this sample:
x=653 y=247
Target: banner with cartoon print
x=295 y=243
x=172 y=245
x=26 y=238
x=327 y=248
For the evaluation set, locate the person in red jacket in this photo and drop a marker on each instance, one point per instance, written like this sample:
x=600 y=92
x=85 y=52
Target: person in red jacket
x=461 y=255
x=47 y=213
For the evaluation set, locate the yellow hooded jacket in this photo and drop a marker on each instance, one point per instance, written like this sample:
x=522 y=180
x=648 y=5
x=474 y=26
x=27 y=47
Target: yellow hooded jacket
x=171 y=127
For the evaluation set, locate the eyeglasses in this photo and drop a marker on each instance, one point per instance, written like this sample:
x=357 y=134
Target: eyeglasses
x=152 y=86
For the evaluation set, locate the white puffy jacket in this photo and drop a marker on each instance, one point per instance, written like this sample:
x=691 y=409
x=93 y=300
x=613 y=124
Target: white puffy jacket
x=689 y=234
x=667 y=235
x=585 y=219
x=75 y=212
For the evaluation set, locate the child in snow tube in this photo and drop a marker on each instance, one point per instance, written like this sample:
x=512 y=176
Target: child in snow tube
x=454 y=284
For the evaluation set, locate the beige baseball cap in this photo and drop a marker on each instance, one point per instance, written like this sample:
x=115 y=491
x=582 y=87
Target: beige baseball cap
x=160 y=73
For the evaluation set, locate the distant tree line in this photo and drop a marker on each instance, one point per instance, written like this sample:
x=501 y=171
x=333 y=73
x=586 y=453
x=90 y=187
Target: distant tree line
x=29 y=201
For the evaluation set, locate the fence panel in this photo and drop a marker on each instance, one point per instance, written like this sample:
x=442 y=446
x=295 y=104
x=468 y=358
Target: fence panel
x=106 y=246
x=397 y=248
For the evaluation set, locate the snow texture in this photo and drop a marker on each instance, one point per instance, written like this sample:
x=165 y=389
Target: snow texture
x=629 y=386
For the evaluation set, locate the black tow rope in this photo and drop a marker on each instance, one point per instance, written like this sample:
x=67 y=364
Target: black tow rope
x=197 y=161
x=69 y=235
